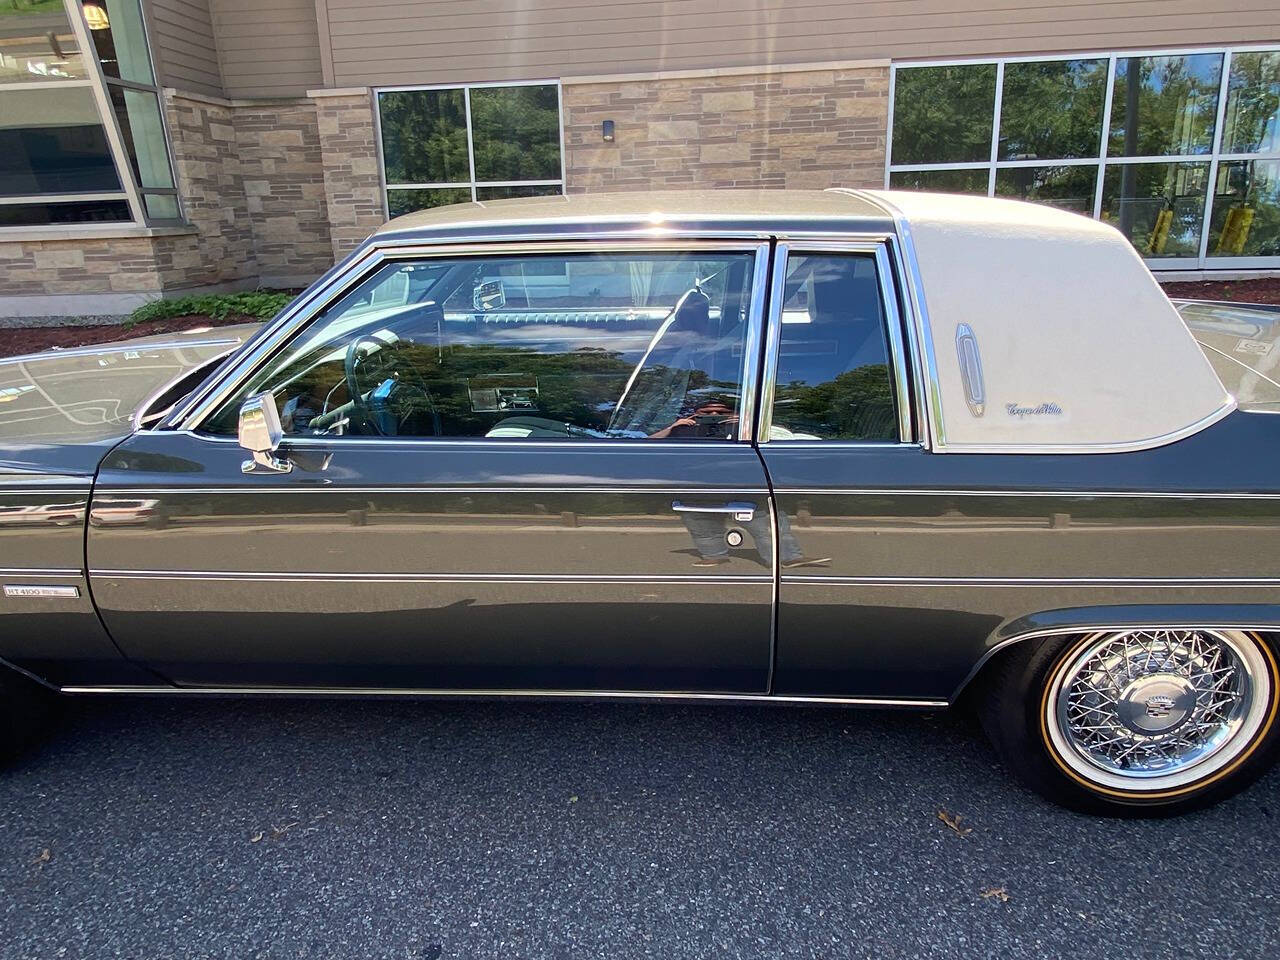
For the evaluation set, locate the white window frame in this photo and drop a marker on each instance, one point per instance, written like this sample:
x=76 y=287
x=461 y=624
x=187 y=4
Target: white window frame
x=470 y=183
x=96 y=81
x=1202 y=260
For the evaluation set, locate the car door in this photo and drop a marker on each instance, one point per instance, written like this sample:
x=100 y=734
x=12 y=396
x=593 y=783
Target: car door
x=514 y=470
x=835 y=416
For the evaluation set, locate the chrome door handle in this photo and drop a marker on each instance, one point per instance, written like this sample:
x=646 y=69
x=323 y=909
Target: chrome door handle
x=742 y=511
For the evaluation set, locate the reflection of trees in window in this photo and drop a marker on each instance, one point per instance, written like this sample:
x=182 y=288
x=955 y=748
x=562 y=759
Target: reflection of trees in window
x=1052 y=110
x=1067 y=187
x=1252 y=120
x=943 y=114
x=516 y=133
x=424 y=136
x=1246 y=210
x=449 y=388
x=1158 y=206
x=940 y=181
x=1164 y=105
x=856 y=405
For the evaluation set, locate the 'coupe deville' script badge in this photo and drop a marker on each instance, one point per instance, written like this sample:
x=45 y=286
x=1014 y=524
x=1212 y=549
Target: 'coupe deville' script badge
x=1041 y=410
x=35 y=590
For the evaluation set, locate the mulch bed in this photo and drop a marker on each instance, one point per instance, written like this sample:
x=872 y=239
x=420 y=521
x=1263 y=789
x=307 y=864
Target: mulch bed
x=1265 y=290
x=19 y=340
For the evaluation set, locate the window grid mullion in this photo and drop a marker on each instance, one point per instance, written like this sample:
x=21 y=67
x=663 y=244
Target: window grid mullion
x=1213 y=158
x=995 y=129
x=1100 y=183
x=471 y=150
x=106 y=111
x=1210 y=186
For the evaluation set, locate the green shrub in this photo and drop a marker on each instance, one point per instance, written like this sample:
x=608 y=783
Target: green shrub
x=263 y=304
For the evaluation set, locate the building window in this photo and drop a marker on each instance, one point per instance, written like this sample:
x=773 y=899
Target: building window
x=82 y=139
x=1179 y=150
x=444 y=145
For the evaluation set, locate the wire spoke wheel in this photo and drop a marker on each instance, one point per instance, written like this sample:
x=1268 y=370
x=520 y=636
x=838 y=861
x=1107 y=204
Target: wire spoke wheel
x=1153 y=711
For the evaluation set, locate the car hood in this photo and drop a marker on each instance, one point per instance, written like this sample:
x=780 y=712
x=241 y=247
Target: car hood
x=1242 y=341
x=61 y=410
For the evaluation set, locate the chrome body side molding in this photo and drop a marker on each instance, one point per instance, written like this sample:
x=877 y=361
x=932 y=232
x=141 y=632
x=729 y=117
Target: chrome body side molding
x=427 y=693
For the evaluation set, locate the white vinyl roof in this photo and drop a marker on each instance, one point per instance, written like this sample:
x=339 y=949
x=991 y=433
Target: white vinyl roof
x=1070 y=343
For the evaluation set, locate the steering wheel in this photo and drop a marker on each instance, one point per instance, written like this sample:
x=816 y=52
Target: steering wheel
x=351 y=373
x=382 y=417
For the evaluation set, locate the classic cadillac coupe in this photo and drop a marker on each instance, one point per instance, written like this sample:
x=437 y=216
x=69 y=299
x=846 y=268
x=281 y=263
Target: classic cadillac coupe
x=842 y=447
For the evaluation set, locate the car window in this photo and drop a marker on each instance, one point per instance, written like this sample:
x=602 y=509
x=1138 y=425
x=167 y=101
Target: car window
x=833 y=376
x=592 y=346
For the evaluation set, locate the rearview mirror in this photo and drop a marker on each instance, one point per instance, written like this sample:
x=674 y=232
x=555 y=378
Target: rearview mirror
x=261 y=434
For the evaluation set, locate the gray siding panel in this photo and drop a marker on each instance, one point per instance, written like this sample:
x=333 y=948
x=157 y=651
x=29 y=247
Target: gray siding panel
x=428 y=41
x=267 y=50
x=183 y=44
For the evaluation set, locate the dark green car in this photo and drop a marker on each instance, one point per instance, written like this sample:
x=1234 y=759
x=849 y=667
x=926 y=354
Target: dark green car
x=837 y=447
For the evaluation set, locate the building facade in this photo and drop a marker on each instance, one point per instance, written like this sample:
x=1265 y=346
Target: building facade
x=158 y=146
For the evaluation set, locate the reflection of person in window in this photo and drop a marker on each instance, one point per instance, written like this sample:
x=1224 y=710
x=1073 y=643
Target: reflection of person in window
x=710 y=419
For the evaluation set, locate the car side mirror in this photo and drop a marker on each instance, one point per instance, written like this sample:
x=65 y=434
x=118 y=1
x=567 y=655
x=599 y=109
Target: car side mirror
x=261 y=434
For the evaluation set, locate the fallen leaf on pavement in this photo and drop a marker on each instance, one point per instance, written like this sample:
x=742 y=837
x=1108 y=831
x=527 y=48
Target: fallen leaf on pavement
x=952 y=820
x=40 y=861
x=996 y=893
x=256 y=837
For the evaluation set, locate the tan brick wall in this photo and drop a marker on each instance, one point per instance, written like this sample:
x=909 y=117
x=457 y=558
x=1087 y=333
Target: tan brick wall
x=810 y=129
x=206 y=161
x=39 y=267
x=353 y=187
x=282 y=174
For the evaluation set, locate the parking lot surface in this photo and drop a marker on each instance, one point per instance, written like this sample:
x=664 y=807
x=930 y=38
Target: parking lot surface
x=372 y=829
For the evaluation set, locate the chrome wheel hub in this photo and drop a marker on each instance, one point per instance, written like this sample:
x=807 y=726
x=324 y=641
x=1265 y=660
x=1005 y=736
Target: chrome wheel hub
x=1156 y=703
x=1151 y=709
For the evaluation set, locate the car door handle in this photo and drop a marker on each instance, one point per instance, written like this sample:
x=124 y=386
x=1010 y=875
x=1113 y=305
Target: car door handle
x=741 y=510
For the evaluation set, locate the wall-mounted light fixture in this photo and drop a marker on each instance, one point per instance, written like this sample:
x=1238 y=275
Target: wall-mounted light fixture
x=606 y=131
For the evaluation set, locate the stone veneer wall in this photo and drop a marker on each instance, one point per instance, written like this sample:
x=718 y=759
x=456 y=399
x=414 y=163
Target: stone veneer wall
x=82 y=266
x=811 y=128
x=206 y=161
x=282 y=175
x=352 y=182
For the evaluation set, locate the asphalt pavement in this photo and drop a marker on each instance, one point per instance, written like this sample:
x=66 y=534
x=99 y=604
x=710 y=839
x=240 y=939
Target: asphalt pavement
x=284 y=828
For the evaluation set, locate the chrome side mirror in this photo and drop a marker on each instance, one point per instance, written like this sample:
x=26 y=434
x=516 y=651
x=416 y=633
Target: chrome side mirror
x=261 y=434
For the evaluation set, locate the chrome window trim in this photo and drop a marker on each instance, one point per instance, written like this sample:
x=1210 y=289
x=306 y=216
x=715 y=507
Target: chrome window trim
x=509 y=443
x=367 y=259
x=928 y=391
x=428 y=692
x=878 y=249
